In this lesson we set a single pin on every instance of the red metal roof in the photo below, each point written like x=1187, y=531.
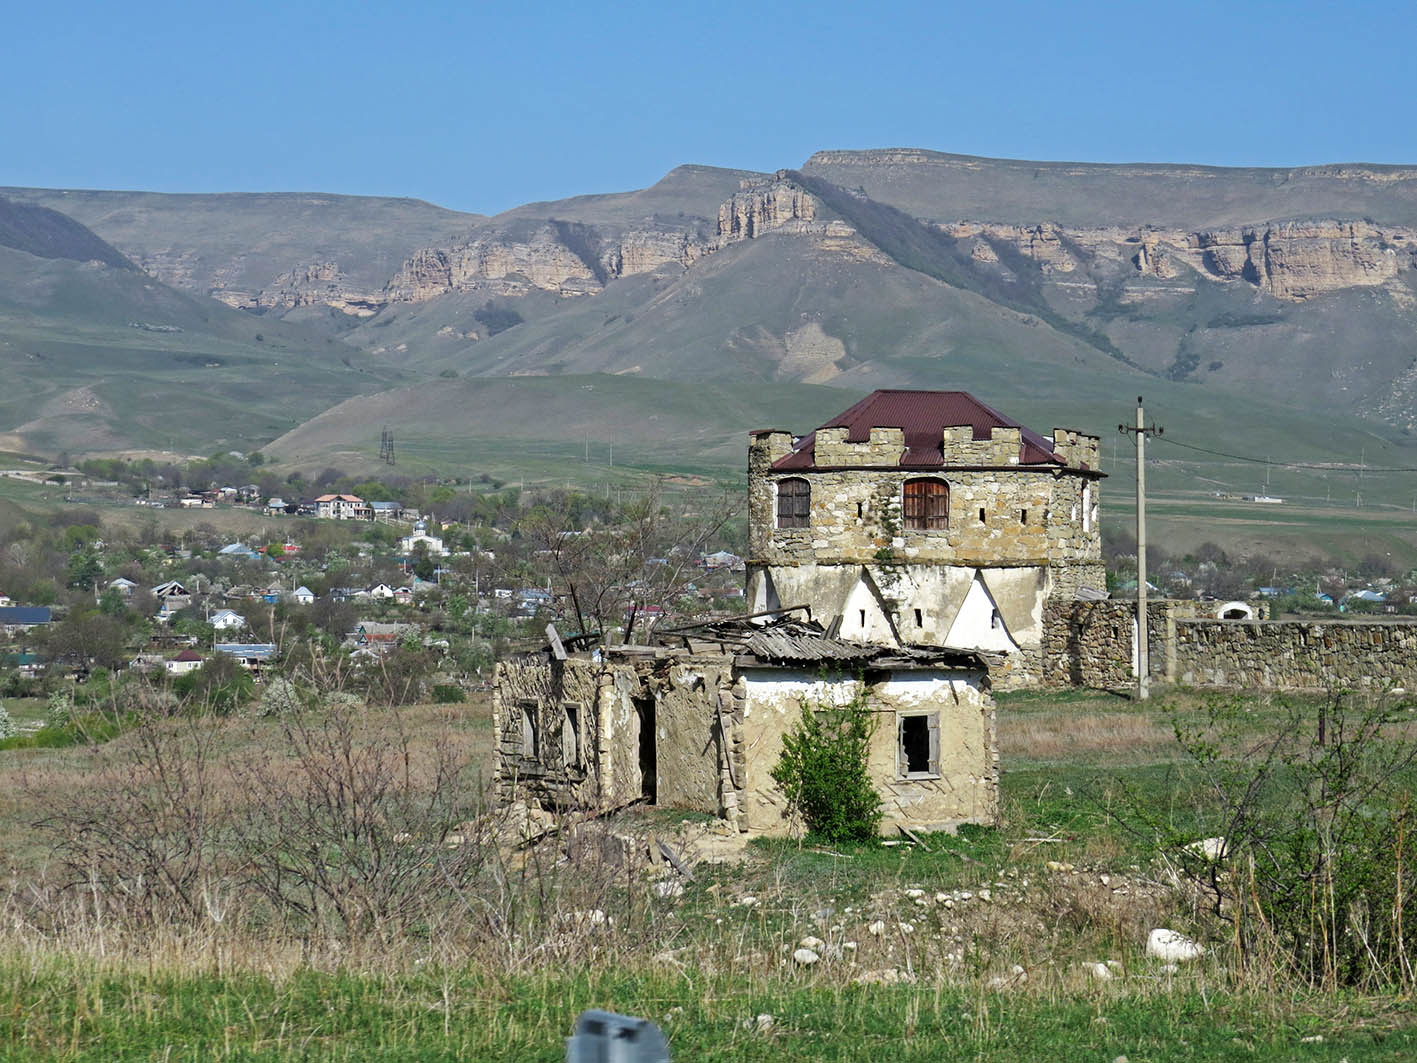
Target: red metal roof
x=924, y=415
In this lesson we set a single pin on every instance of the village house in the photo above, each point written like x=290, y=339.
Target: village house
x=16, y=619
x=900, y=556
x=253, y=656
x=343, y=507
x=371, y=637
x=171, y=597
x=226, y=620
x=925, y=518
x=302, y=595
x=184, y=662
x=125, y=587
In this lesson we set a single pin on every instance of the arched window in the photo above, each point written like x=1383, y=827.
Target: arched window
x=794, y=503
x=927, y=505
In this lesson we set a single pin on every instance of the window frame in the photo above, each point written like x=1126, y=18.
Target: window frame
x=932, y=506
x=932, y=718
x=799, y=498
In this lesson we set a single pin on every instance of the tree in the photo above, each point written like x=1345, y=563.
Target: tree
x=608, y=569
x=87, y=638
x=83, y=570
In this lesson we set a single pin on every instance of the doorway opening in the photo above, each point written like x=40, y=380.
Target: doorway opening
x=644, y=710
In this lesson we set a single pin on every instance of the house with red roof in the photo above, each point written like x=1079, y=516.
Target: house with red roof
x=343, y=507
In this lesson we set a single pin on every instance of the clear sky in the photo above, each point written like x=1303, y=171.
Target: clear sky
x=481, y=106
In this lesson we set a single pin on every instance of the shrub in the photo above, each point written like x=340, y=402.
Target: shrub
x=823, y=770
x=1316, y=823
x=7, y=725
x=448, y=694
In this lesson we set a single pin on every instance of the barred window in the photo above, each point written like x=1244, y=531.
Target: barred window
x=794, y=502
x=927, y=505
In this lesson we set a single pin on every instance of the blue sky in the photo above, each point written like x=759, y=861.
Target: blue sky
x=483, y=106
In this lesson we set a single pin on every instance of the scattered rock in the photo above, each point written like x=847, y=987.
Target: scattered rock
x=877, y=928
x=805, y=957
x=1172, y=946
x=1212, y=849
x=748, y=901
x=763, y=1023
x=915, y=894
x=1099, y=971
x=813, y=943
x=1057, y=867
x=669, y=888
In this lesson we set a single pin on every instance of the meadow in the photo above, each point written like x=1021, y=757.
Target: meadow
x=986, y=944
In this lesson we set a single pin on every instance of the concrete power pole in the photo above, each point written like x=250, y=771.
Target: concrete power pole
x=1139, y=433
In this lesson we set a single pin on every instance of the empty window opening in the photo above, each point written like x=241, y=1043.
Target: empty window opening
x=648, y=761
x=860, y=510
x=571, y=737
x=919, y=618
x=530, y=743
x=995, y=620
x=863, y=618
x=981, y=516
x=919, y=744
x=1023, y=516
x=926, y=505
x=794, y=503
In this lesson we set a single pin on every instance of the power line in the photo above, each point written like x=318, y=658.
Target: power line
x=1317, y=465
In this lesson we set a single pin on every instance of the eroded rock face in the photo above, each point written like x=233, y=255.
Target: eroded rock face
x=316, y=284
x=761, y=206
x=1298, y=260
x=1289, y=260
x=497, y=263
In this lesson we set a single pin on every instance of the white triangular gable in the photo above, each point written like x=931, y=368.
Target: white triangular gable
x=979, y=624
x=864, y=617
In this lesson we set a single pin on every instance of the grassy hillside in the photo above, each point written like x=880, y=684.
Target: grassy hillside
x=936, y=185
x=106, y=358
x=243, y=241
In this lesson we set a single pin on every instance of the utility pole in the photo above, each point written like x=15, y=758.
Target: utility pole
x=1139, y=434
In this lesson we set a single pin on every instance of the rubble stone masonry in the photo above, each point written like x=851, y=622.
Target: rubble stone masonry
x=1091, y=644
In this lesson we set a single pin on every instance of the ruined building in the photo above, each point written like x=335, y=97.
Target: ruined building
x=902, y=553
x=697, y=721
x=925, y=518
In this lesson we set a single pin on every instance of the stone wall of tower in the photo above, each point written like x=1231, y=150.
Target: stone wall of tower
x=1008, y=515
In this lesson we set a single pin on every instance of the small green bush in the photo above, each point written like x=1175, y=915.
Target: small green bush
x=448, y=694
x=823, y=770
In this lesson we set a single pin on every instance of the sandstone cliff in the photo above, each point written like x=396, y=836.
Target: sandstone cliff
x=1292, y=261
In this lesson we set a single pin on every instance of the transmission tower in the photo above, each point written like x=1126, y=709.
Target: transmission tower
x=386, y=446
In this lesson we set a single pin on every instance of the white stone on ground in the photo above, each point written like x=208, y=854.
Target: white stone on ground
x=876, y=929
x=805, y=957
x=1172, y=946
x=809, y=942
x=1100, y=971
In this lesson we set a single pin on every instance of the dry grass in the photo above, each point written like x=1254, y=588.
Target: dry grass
x=1124, y=739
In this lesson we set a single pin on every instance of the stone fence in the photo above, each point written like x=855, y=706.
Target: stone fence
x=1093, y=644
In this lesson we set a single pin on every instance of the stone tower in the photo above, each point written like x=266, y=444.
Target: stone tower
x=925, y=518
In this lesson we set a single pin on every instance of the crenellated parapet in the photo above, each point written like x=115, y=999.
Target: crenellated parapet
x=1079, y=450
